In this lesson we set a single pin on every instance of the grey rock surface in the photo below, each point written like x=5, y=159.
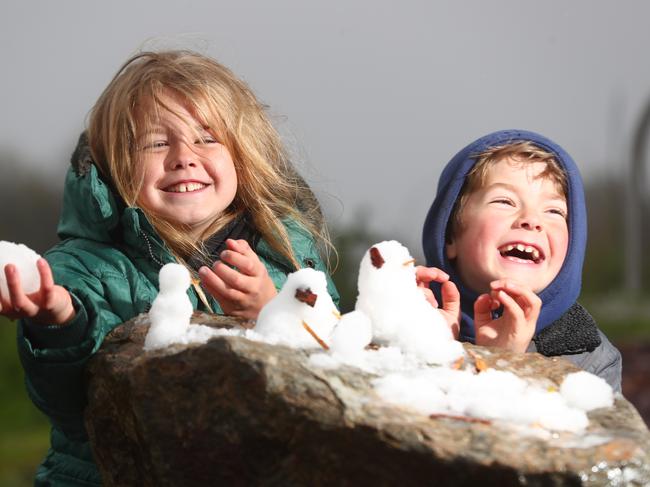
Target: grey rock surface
x=238, y=412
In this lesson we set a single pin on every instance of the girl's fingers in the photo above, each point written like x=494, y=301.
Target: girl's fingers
x=234, y=279
x=218, y=287
x=242, y=262
x=21, y=303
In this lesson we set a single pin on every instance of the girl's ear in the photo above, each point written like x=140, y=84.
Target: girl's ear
x=450, y=248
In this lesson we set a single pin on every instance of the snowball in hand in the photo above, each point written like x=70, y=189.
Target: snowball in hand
x=24, y=259
x=171, y=311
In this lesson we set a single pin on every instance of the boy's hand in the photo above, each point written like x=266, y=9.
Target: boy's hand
x=50, y=305
x=242, y=291
x=449, y=293
x=515, y=328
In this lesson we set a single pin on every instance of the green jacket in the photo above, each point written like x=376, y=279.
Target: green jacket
x=109, y=259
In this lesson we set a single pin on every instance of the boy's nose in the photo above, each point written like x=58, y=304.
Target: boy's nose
x=529, y=221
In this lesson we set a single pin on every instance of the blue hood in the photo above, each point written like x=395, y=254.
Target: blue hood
x=564, y=290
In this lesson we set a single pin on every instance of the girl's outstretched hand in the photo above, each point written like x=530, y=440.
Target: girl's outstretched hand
x=515, y=328
x=241, y=291
x=50, y=305
x=450, y=296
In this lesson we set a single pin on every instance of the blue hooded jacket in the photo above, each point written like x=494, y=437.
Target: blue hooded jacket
x=564, y=290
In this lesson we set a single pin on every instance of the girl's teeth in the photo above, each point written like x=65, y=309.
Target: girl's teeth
x=529, y=249
x=520, y=247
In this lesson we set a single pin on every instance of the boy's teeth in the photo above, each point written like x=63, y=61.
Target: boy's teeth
x=520, y=247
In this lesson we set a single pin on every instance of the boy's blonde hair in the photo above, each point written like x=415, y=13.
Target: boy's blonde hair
x=268, y=188
x=521, y=152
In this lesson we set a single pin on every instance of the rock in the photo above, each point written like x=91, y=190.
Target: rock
x=237, y=412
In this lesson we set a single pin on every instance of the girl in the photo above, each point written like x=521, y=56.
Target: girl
x=180, y=163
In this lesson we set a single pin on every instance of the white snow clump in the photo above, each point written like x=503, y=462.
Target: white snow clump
x=24, y=259
x=586, y=391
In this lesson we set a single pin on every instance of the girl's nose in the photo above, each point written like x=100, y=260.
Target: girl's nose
x=181, y=156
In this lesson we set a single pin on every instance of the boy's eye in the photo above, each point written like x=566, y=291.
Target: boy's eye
x=503, y=201
x=558, y=211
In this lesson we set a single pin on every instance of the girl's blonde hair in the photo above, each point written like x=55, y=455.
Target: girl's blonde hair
x=523, y=152
x=269, y=188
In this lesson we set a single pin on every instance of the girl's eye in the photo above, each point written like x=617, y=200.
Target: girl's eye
x=156, y=144
x=206, y=139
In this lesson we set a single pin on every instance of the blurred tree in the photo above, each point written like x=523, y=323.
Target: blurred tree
x=30, y=204
x=605, y=261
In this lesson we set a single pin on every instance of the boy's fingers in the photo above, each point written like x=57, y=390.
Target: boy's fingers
x=483, y=309
x=428, y=274
x=525, y=298
x=509, y=304
x=450, y=297
x=429, y=296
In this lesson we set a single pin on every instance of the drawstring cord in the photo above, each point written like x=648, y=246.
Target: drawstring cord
x=196, y=283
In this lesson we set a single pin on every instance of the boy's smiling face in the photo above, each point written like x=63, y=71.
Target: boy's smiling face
x=514, y=226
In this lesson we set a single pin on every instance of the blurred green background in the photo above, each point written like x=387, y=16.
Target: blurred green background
x=24, y=432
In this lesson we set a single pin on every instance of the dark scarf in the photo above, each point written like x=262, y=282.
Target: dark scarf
x=238, y=229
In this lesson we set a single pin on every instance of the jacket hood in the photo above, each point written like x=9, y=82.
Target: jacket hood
x=92, y=210
x=564, y=290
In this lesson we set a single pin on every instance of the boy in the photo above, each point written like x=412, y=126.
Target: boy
x=508, y=225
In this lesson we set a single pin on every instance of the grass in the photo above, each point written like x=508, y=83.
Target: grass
x=24, y=431
x=621, y=318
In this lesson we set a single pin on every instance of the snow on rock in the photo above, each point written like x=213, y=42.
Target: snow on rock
x=586, y=391
x=24, y=259
x=491, y=395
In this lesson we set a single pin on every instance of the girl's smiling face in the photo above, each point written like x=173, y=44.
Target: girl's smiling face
x=188, y=176
x=514, y=227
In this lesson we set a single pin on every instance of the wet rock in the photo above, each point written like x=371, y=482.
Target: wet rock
x=237, y=412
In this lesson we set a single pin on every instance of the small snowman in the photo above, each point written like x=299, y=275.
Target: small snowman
x=172, y=309
x=399, y=311
x=302, y=314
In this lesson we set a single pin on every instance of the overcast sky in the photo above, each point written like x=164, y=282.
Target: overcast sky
x=373, y=97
